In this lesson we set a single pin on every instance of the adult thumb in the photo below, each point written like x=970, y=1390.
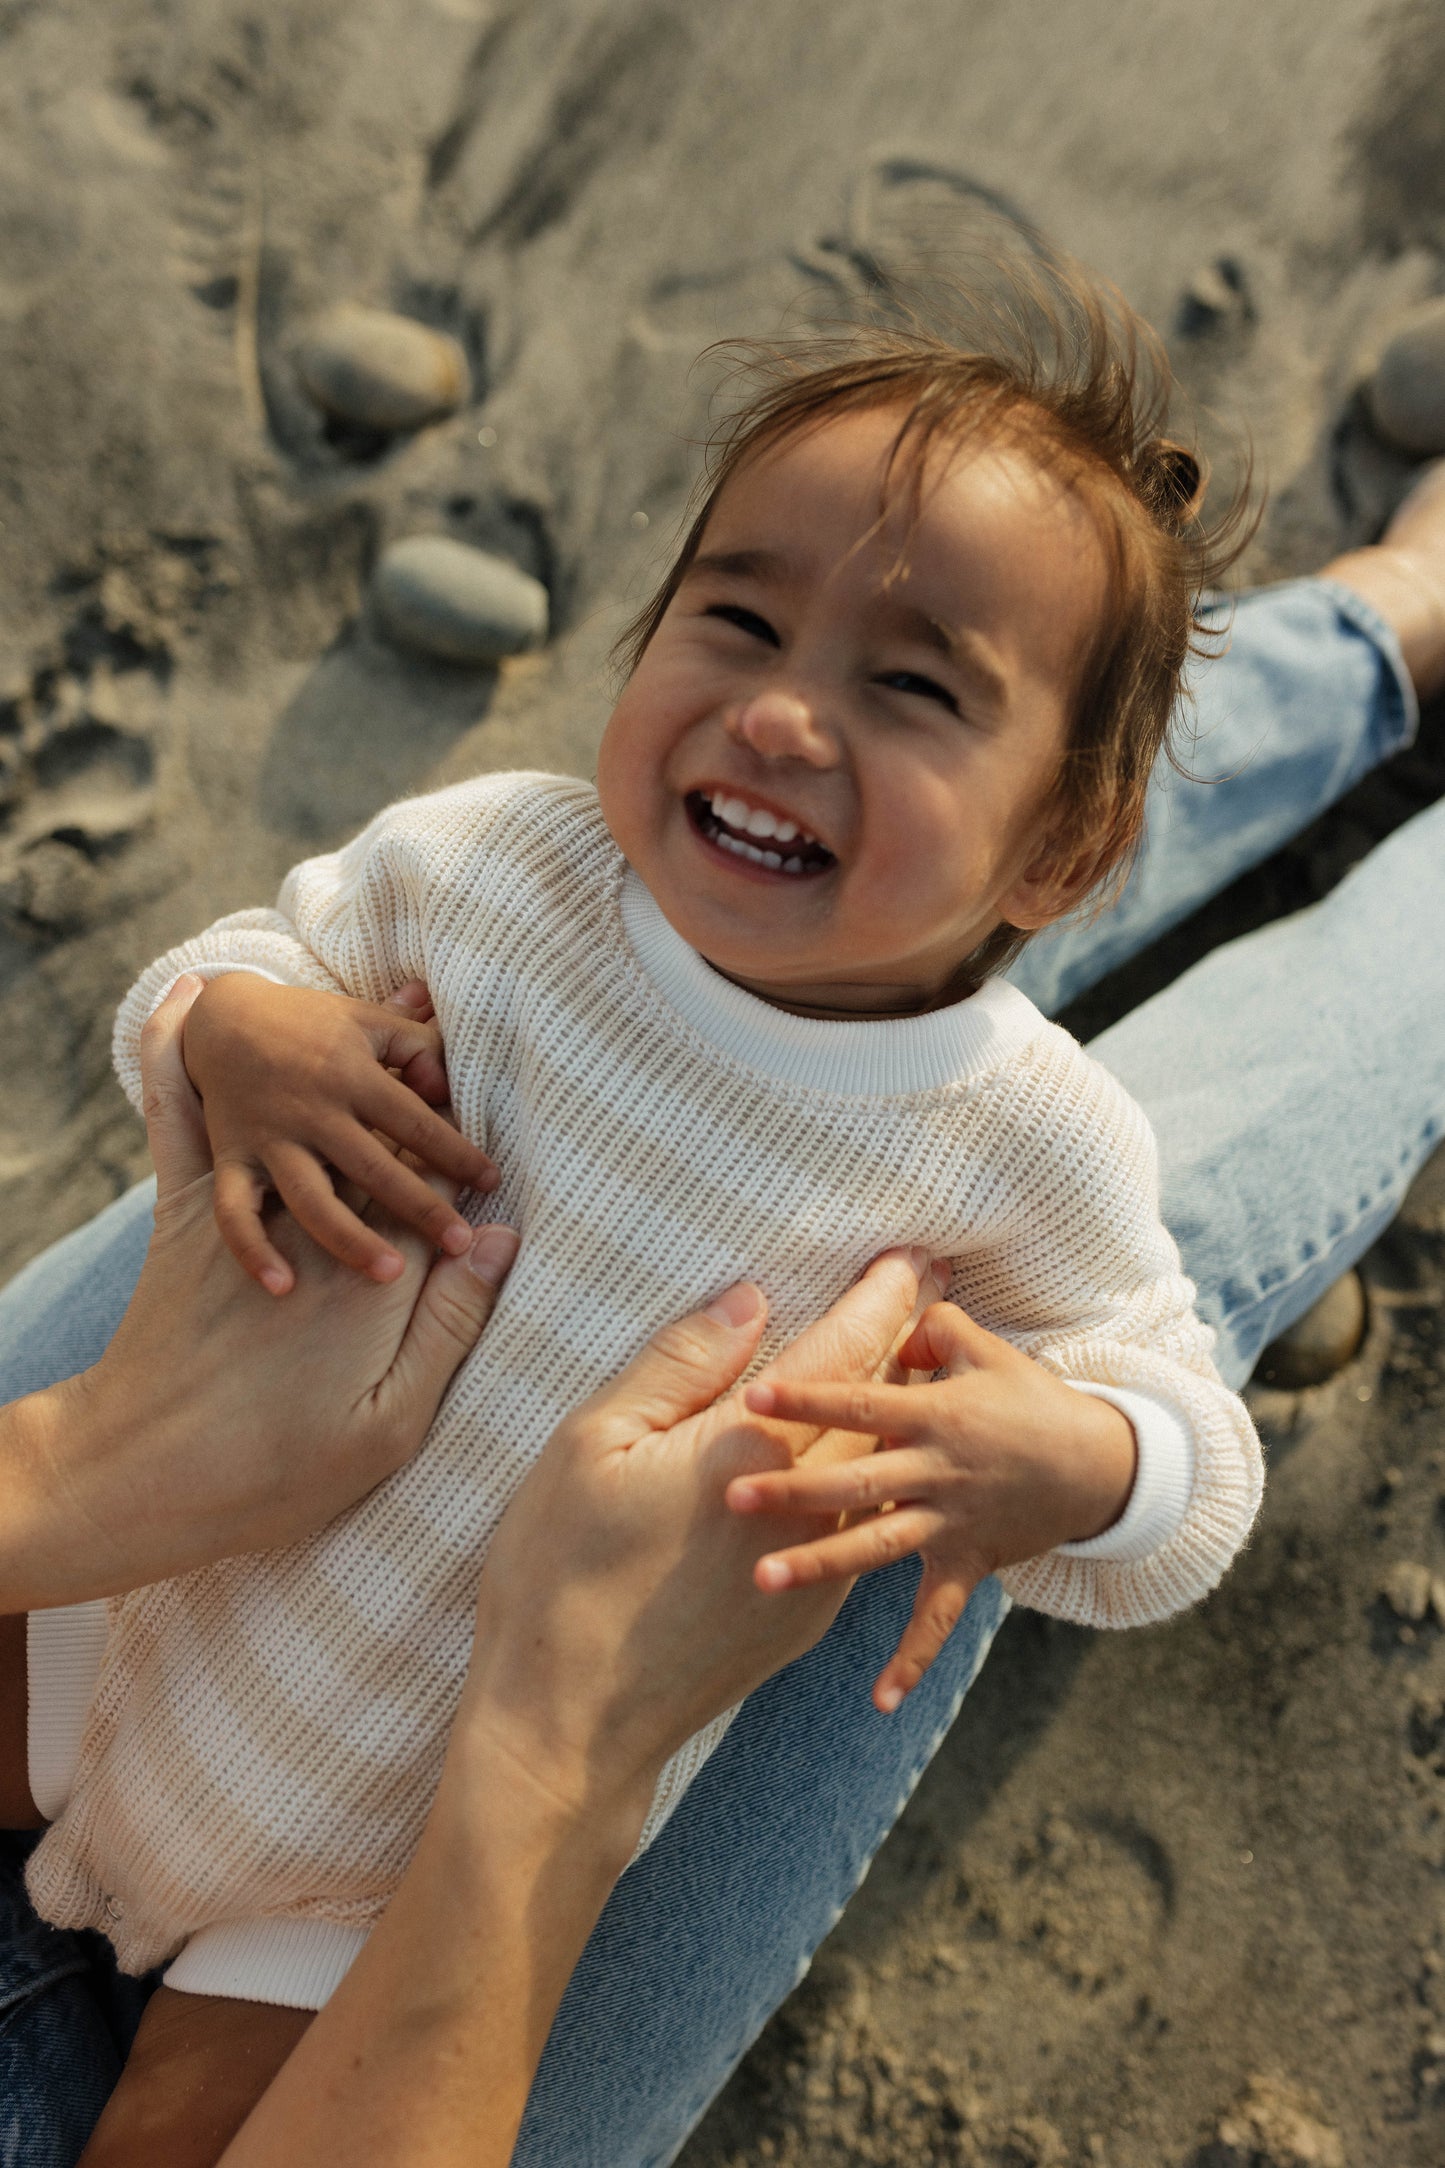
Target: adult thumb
x=175, y=1124
x=683, y=1369
x=457, y=1297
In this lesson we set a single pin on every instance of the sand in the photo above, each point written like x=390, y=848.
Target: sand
x=1156, y=1889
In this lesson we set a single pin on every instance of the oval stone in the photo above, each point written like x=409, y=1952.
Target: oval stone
x=380, y=371
x=454, y=603
x=1407, y=391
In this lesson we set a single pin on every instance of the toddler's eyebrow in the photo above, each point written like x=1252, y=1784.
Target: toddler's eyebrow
x=740, y=564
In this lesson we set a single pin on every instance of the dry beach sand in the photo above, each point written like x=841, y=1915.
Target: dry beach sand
x=1171, y=1898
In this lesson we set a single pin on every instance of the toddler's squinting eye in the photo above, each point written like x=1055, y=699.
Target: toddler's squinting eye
x=749, y=621
x=910, y=681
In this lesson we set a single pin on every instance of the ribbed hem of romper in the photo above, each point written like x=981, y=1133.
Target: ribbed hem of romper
x=1163, y=1480
x=63, y=1653
x=884, y=1059
x=297, y=1963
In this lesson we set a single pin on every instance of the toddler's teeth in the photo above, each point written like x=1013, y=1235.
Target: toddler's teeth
x=785, y=831
x=761, y=823
x=792, y=865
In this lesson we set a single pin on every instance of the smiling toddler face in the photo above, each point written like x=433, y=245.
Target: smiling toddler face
x=833, y=766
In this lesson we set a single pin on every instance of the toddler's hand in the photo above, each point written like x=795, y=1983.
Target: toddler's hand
x=995, y=1463
x=297, y=1086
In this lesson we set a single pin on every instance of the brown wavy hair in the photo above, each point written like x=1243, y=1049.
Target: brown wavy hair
x=1051, y=362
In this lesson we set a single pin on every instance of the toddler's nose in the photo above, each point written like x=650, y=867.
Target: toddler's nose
x=779, y=725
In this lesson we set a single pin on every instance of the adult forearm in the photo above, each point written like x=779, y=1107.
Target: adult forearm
x=55, y=1546
x=425, y=2054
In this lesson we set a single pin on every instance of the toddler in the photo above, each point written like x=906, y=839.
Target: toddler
x=733, y=1012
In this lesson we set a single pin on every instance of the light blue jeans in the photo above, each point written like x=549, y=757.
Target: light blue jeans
x=1295, y=1079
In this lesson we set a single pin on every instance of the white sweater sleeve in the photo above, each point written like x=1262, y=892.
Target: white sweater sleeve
x=351, y=922
x=1136, y=1334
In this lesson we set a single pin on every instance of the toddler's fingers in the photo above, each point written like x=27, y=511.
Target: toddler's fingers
x=947, y=1338
x=414, y=999
x=850, y=1551
x=383, y=1102
x=396, y=1186
x=879, y=1411
x=239, y=1192
x=305, y=1189
x=851, y=1486
x=937, y=1609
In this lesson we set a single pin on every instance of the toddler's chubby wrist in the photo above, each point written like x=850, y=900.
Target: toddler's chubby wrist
x=1107, y=1464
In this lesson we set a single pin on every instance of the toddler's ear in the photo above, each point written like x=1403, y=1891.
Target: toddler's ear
x=1049, y=887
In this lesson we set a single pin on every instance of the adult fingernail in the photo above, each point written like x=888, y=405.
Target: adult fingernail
x=492, y=1252
x=735, y=1306
x=941, y=1273
x=189, y=982
x=918, y=1258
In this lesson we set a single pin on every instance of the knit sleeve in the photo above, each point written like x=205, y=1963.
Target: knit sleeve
x=357, y=921
x=1110, y=1306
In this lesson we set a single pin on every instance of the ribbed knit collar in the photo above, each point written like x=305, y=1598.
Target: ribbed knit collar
x=882, y=1058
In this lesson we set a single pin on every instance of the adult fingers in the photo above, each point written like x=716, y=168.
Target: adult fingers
x=862, y=1328
x=850, y=1486
x=415, y=999
x=683, y=1369
x=937, y=1609
x=850, y=1551
x=457, y=1298
x=175, y=1125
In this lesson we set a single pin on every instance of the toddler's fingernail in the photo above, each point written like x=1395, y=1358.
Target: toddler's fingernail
x=458, y=1239
x=889, y=1698
x=274, y=1280
x=388, y=1267
x=743, y=1497
x=773, y=1573
x=492, y=1253
x=736, y=1306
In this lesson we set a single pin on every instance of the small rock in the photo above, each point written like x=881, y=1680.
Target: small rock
x=379, y=371
x=1407, y=1589
x=1273, y=2126
x=445, y=599
x=1322, y=1341
x=1406, y=395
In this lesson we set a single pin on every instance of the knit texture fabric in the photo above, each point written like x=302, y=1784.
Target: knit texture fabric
x=267, y=1734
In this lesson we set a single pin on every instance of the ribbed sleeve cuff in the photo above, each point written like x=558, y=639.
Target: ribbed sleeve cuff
x=64, y=1649
x=297, y=1963
x=1163, y=1480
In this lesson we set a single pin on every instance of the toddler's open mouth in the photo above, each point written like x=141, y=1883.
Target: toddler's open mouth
x=765, y=839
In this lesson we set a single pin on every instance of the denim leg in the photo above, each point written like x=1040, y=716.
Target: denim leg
x=1296, y=1082
x=1310, y=695
x=718, y=1921
x=58, y=1313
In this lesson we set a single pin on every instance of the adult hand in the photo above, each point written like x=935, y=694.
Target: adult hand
x=219, y=1420
x=618, y=1613
x=649, y=1619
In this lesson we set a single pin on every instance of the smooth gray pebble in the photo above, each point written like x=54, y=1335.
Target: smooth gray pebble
x=444, y=599
x=381, y=371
